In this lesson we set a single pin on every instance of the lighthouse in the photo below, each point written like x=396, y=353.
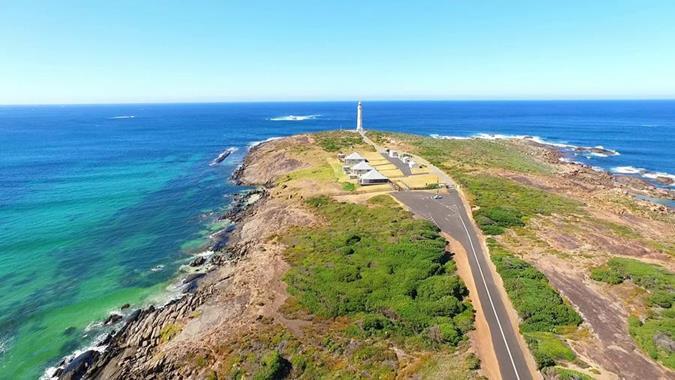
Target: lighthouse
x=359, y=115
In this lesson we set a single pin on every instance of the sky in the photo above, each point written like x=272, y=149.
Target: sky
x=207, y=51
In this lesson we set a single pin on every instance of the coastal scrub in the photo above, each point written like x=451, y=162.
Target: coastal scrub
x=387, y=271
x=543, y=311
x=504, y=203
x=655, y=333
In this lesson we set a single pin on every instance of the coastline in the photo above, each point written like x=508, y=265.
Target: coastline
x=142, y=326
x=222, y=290
x=653, y=188
x=568, y=153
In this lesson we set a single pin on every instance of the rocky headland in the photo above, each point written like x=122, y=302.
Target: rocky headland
x=237, y=312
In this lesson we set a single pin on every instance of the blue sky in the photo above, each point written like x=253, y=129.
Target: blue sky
x=175, y=51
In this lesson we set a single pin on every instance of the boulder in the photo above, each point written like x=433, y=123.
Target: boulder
x=198, y=261
x=77, y=367
x=113, y=318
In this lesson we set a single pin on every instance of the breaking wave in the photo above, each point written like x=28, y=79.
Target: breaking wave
x=597, y=151
x=123, y=117
x=662, y=177
x=256, y=143
x=294, y=118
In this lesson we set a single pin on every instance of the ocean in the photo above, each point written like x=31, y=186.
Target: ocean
x=100, y=205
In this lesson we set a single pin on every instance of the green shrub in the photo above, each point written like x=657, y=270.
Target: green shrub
x=547, y=348
x=273, y=367
x=606, y=274
x=472, y=361
x=373, y=322
x=348, y=186
x=660, y=283
x=504, y=203
x=561, y=373
x=335, y=141
x=378, y=263
x=538, y=304
x=450, y=333
x=542, y=310
x=168, y=332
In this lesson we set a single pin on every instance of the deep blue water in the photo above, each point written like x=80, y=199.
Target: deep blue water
x=97, y=210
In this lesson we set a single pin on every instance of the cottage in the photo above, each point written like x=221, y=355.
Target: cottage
x=373, y=177
x=361, y=168
x=353, y=159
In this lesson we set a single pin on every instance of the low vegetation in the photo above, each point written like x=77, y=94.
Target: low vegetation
x=560, y=373
x=168, y=332
x=468, y=154
x=504, y=203
x=544, y=313
x=655, y=333
x=381, y=267
x=336, y=141
x=368, y=283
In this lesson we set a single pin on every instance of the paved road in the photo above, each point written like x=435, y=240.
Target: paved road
x=402, y=166
x=451, y=217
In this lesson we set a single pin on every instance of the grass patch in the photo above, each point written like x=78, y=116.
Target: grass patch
x=656, y=334
x=348, y=186
x=548, y=349
x=337, y=141
x=543, y=311
x=657, y=280
x=561, y=373
x=168, y=332
x=321, y=172
x=273, y=367
x=385, y=270
x=478, y=153
x=504, y=203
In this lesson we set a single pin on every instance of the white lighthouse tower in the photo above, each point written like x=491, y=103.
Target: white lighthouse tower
x=359, y=118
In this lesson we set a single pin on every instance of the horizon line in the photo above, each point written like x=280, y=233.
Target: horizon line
x=374, y=100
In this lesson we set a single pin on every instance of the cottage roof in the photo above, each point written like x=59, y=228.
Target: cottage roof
x=362, y=166
x=354, y=156
x=373, y=175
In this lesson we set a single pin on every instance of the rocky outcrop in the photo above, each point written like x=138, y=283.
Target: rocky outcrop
x=130, y=353
x=267, y=162
x=227, y=288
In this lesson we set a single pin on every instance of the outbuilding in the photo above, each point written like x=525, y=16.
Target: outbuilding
x=361, y=168
x=373, y=177
x=354, y=159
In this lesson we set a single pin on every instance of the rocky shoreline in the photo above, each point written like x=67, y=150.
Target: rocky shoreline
x=631, y=185
x=130, y=351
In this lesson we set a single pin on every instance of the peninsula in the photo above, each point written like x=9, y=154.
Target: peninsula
x=461, y=259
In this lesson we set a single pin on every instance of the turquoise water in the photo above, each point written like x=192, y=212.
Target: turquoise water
x=99, y=209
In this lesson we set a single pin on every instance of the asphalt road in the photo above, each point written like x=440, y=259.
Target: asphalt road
x=402, y=166
x=449, y=214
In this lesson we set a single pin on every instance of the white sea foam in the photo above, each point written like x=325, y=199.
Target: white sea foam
x=256, y=143
x=585, y=151
x=644, y=173
x=436, y=136
x=627, y=170
x=498, y=136
x=657, y=175
x=610, y=152
x=223, y=155
x=123, y=117
x=294, y=117
x=50, y=373
x=157, y=268
x=4, y=344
